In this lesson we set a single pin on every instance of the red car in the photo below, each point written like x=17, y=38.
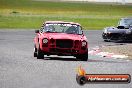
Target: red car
x=62, y=39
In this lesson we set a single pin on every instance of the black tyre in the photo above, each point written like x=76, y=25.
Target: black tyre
x=82, y=57
x=40, y=55
x=35, y=51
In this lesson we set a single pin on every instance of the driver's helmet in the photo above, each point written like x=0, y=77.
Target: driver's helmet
x=71, y=29
x=49, y=28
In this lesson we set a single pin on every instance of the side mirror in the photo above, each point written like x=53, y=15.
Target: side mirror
x=36, y=31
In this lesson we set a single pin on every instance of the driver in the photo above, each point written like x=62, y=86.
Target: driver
x=71, y=29
x=49, y=28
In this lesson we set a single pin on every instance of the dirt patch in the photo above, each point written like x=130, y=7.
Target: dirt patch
x=119, y=49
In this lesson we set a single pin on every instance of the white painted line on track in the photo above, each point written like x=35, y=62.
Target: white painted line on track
x=96, y=51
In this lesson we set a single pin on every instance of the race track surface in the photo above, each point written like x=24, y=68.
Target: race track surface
x=19, y=69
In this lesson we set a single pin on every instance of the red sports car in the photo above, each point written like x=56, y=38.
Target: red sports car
x=61, y=38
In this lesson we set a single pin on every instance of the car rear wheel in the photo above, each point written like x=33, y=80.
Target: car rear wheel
x=82, y=57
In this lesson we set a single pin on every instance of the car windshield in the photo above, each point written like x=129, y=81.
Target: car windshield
x=126, y=22
x=62, y=28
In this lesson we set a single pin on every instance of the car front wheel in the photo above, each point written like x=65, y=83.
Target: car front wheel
x=35, y=51
x=40, y=54
x=82, y=57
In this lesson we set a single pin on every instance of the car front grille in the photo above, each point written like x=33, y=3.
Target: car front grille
x=65, y=43
x=114, y=36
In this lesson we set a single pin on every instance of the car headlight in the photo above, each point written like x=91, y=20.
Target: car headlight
x=45, y=40
x=84, y=43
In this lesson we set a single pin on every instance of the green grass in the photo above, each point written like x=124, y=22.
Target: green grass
x=30, y=14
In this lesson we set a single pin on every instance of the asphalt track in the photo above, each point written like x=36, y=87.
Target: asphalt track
x=19, y=69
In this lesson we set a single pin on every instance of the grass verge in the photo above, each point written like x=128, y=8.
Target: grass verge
x=30, y=14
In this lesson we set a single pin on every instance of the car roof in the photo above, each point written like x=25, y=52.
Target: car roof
x=61, y=22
